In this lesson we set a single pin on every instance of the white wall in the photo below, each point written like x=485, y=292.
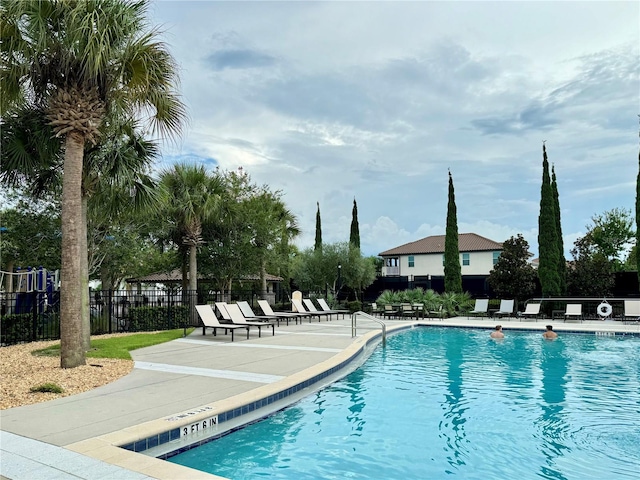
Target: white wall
x=480, y=263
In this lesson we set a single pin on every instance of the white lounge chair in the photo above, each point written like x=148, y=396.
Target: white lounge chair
x=631, y=311
x=481, y=307
x=238, y=319
x=506, y=309
x=298, y=307
x=248, y=313
x=267, y=310
x=532, y=311
x=209, y=320
x=325, y=307
x=573, y=312
x=311, y=308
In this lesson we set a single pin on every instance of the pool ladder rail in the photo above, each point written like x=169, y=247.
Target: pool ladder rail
x=355, y=315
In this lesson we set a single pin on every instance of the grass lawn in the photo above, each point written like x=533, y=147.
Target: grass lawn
x=119, y=347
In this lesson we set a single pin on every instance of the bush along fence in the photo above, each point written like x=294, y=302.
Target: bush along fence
x=35, y=316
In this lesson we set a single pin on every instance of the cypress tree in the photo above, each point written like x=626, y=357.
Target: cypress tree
x=318, y=244
x=562, y=263
x=547, y=235
x=638, y=219
x=452, y=268
x=354, y=238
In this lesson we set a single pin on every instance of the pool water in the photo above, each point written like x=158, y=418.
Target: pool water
x=442, y=403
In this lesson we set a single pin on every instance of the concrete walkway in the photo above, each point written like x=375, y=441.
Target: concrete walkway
x=184, y=381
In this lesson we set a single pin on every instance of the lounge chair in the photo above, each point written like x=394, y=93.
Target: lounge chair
x=390, y=311
x=407, y=310
x=248, y=313
x=481, y=308
x=209, y=320
x=506, y=309
x=375, y=310
x=239, y=319
x=326, y=308
x=267, y=310
x=631, y=311
x=311, y=308
x=532, y=311
x=299, y=308
x=573, y=312
x=436, y=313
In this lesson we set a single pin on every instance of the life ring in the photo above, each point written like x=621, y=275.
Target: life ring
x=604, y=309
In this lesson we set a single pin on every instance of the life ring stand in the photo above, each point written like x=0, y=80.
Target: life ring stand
x=604, y=309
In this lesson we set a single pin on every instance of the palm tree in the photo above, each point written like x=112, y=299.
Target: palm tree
x=191, y=197
x=115, y=177
x=82, y=62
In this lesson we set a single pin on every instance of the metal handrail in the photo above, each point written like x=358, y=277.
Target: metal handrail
x=370, y=317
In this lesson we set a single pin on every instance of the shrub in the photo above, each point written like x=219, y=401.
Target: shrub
x=47, y=388
x=150, y=319
x=16, y=328
x=354, y=306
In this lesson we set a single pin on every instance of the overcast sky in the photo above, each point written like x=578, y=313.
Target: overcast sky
x=327, y=101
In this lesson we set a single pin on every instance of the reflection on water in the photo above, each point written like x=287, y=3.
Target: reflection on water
x=451, y=427
x=451, y=403
x=554, y=366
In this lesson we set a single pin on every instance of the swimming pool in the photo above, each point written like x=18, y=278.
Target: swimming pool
x=451, y=403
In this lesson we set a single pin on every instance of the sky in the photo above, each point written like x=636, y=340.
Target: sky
x=377, y=101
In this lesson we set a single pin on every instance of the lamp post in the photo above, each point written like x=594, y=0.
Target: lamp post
x=339, y=283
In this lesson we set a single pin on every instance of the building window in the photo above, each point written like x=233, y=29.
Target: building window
x=412, y=262
x=496, y=256
x=465, y=259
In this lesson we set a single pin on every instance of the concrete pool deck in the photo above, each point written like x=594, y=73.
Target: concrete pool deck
x=183, y=382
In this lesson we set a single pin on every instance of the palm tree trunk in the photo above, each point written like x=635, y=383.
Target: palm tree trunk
x=9, y=280
x=107, y=294
x=193, y=267
x=193, y=281
x=263, y=279
x=84, y=267
x=72, y=352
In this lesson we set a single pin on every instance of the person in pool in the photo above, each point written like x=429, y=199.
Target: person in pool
x=497, y=333
x=550, y=334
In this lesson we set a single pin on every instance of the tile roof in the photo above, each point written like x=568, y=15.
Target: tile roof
x=467, y=242
x=176, y=276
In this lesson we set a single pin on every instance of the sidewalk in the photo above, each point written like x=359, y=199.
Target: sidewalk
x=170, y=378
x=184, y=381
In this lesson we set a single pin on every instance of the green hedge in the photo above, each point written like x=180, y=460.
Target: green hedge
x=149, y=319
x=19, y=328
x=16, y=328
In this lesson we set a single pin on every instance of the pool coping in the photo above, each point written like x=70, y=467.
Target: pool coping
x=139, y=448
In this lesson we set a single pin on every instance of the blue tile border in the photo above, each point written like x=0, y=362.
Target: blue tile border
x=174, y=434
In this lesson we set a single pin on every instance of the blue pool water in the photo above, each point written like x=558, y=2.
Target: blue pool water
x=442, y=403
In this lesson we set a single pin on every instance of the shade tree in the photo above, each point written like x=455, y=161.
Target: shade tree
x=83, y=62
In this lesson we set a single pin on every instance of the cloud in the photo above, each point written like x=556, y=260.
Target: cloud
x=238, y=59
x=327, y=101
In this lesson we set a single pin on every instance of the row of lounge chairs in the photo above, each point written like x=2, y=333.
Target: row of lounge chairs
x=403, y=310
x=573, y=311
x=240, y=315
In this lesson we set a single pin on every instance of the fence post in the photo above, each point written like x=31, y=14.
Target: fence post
x=33, y=301
x=109, y=307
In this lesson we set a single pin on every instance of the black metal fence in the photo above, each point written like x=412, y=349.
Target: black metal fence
x=35, y=316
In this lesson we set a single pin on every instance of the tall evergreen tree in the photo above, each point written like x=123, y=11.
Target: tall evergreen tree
x=318, y=244
x=638, y=219
x=547, y=235
x=562, y=263
x=452, y=268
x=354, y=238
